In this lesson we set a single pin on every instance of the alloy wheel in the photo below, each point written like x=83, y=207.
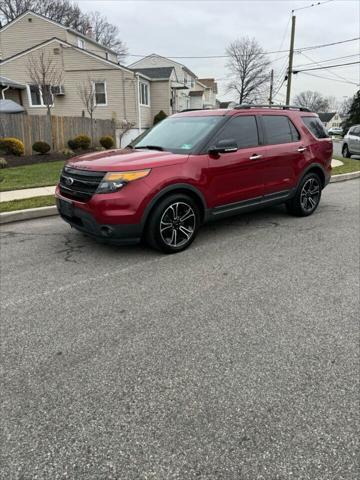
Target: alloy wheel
x=310, y=194
x=177, y=224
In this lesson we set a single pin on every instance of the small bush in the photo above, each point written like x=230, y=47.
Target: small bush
x=99, y=149
x=41, y=147
x=159, y=117
x=67, y=152
x=12, y=146
x=3, y=163
x=72, y=144
x=83, y=141
x=107, y=142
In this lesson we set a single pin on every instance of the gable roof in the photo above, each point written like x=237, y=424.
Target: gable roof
x=209, y=83
x=160, y=56
x=7, y=82
x=75, y=32
x=156, y=73
x=326, y=116
x=67, y=44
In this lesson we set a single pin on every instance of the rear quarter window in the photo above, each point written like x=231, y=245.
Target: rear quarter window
x=279, y=129
x=315, y=126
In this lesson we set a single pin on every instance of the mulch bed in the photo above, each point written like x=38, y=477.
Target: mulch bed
x=14, y=161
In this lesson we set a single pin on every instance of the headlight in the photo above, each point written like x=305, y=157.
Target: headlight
x=113, y=181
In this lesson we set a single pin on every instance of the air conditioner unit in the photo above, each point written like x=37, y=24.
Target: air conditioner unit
x=58, y=90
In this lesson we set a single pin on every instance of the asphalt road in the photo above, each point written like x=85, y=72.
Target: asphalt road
x=236, y=359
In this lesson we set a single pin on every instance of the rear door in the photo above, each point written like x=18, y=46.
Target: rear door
x=237, y=176
x=284, y=152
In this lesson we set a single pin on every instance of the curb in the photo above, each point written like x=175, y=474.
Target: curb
x=344, y=176
x=28, y=214
x=32, y=213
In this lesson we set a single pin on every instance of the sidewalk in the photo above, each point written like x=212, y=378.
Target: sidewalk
x=26, y=193
x=43, y=191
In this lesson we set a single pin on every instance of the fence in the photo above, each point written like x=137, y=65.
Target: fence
x=31, y=128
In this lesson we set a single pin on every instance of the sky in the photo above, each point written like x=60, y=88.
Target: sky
x=185, y=28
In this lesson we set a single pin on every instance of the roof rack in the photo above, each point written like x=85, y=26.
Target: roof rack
x=245, y=106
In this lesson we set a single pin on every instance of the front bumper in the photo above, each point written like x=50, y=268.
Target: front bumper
x=124, y=234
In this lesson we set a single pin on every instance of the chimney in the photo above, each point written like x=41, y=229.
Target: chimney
x=89, y=32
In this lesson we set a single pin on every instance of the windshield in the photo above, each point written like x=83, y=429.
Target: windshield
x=178, y=134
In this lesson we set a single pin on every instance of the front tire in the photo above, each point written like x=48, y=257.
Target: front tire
x=307, y=197
x=345, y=152
x=173, y=224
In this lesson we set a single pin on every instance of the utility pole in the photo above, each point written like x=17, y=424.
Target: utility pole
x=271, y=86
x=291, y=55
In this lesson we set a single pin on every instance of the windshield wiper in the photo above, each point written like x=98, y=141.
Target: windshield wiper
x=152, y=147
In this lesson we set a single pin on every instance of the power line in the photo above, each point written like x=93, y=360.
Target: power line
x=312, y=5
x=324, y=61
x=328, y=78
x=334, y=74
x=297, y=50
x=326, y=66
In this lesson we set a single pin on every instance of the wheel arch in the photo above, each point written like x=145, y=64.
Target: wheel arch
x=315, y=168
x=184, y=188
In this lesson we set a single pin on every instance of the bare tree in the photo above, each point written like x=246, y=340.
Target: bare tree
x=124, y=126
x=62, y=11
x=68, y=14
x=345, y=105
x=44, y=73
x=86, y=93
x=312, y=100
x=249, y=68
x=107, y=34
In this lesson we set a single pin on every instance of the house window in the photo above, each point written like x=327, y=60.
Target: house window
x=144, y=94
x=192, y=82
x=100, y=93
x=81, y=43
x=39, y=97
x=185, y=79
x=107, y=55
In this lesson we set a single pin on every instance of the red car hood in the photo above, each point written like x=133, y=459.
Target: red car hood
x=123, y=160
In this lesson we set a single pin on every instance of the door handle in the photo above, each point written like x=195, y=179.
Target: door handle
x=255, y=157
x=301, y=149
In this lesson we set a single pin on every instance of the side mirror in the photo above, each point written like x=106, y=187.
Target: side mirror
x=224, y=146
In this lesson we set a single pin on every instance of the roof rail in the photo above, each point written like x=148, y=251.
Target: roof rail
x=245, y=106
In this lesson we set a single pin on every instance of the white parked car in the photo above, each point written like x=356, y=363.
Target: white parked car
x=335, y=131
x=351, y=142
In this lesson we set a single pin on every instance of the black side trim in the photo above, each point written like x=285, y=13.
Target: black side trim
x=251, y=204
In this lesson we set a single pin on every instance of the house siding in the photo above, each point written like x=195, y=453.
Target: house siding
x=77, y=68
x=22, y=34
x=90, y=46
x=160, y=97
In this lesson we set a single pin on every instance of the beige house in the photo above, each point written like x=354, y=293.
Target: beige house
x=331, y=119
x=183, y=84
x=120, y=93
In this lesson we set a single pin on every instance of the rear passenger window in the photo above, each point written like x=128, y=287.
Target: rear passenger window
x=315, y=126
x=243, y=129
x=279, y=129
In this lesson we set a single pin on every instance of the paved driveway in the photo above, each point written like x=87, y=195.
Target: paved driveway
x=237, y=359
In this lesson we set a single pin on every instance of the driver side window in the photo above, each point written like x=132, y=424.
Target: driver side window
x=243, y=129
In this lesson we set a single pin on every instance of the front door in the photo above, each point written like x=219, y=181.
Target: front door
x=237, y=176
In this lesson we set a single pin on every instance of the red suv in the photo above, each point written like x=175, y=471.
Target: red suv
x=195, y=167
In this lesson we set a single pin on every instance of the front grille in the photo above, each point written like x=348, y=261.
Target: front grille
x=79, y=184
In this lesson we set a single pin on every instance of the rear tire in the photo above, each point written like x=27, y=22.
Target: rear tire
x=173, y=224
x=345, y=152
x=307, y=197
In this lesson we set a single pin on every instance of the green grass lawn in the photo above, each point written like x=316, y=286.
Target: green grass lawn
x=37, y=175
x=33, y=202
x=350, y=165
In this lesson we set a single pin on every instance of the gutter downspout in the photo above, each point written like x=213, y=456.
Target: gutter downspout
x=138, y=102
x=4, y=90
